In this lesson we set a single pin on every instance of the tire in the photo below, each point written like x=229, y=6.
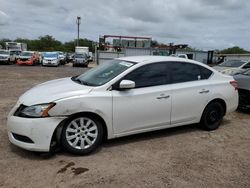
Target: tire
x=212, y=116
x=81, y=135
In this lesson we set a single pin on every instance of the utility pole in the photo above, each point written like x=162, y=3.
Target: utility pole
x=78, y=22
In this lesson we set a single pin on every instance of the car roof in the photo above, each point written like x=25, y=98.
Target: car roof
x=152, y=59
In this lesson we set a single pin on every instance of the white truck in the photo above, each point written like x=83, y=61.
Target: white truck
x=81, y=50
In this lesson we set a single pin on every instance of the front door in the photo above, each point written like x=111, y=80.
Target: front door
x=148, y=105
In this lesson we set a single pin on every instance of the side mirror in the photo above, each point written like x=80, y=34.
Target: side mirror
x=127, y=84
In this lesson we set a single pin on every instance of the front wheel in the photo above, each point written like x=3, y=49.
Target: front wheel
x=212, y=116
x=82, y=135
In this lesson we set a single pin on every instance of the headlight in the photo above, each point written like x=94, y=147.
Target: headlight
x=38, y=110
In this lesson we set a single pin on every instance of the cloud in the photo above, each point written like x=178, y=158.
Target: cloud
x=206, y=24
x=4, y=18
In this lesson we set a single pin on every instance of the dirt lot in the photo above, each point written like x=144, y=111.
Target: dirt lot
x=178, y=157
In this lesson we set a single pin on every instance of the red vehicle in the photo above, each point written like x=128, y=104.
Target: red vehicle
x=28, y=58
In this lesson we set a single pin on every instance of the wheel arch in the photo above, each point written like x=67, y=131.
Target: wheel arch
x=58, y=131
x=221, y=101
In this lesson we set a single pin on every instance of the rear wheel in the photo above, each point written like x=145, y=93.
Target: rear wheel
x=212, y=116
x=82, y=135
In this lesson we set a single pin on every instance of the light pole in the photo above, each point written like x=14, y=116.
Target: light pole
x=78, y=22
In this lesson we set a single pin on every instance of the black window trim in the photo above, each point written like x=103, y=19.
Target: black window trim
x=115, y=86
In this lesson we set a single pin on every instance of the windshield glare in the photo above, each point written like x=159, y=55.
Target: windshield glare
x=79, y=56
x=104, y=72
x=232, y=63
x=50, y=55
x=26, y=54
x=4, y=52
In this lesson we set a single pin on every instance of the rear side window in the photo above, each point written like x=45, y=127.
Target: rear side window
x=205, y=73
x=184, y=72
x=149, y=75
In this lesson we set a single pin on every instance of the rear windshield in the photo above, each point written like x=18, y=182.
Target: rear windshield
x=232, y=63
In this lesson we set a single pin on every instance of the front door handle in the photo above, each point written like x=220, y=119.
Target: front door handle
x=204, y=91
x=163, y=97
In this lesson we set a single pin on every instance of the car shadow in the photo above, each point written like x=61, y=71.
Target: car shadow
x=168, y=132
x=244, y=111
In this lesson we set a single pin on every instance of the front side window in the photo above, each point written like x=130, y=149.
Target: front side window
x=149, y=75
x=184, y=72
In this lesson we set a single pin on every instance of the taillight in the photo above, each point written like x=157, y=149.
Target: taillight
x=234, y=84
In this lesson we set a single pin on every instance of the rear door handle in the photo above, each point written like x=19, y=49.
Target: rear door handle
x=163, y=97
x=204, y=91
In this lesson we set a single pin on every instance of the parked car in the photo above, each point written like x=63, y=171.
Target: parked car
x=51, y=59
x=14, y=55
x=62, y=58
x=90, y=57
x=243, y=80
x=126, y=96
x=69, y=57
x=80, y=60
x=28, y=58
x=232, y=67
x=5, y=57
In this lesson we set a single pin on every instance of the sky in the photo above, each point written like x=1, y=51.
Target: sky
x=202, y=24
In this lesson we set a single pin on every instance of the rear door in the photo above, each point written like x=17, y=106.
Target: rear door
x=190, y=91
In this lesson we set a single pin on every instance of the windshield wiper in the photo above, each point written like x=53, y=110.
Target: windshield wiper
x=74, y=78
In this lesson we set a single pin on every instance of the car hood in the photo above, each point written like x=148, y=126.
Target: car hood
x=243, y=81
x=53, y=90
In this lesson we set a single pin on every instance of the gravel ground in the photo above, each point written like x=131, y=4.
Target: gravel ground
x=177, y=157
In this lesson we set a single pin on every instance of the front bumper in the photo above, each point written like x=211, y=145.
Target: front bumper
x=80, y=62
x=28, y=62
x=53, y=64
x=4, y=61
x=38, y=130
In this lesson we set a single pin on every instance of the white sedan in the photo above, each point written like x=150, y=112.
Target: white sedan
x=123, y=97
x=232, y=67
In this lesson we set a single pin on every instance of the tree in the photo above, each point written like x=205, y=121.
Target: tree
x=2, y=42
x=233, y=50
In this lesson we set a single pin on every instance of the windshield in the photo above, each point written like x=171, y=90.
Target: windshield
x=15, y=52
x=103, y=73
x=54, y=55
x=247, y=73
x=26, y=54
x=80, y=56
x=232, y=63
x=4, y=52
